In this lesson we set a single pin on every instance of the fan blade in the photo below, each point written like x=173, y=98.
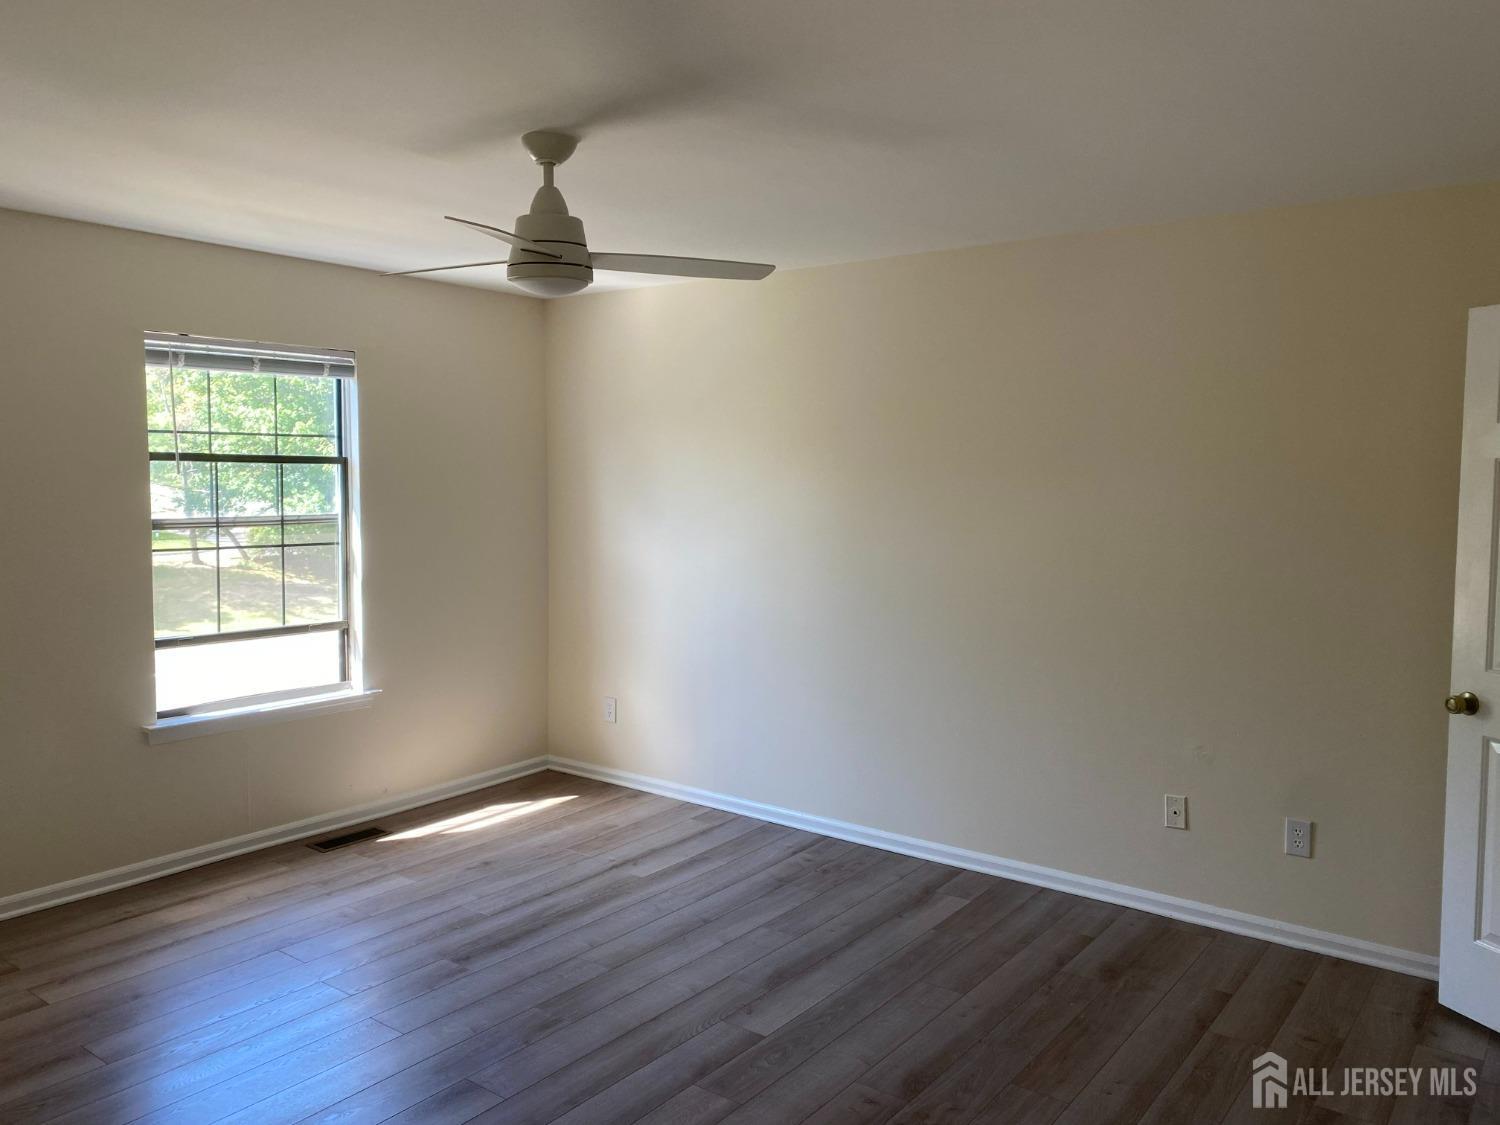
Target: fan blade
x=681, y=267
x=435, y=269
x=505, y=236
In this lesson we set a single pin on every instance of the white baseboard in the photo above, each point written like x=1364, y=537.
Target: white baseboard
x=1187, y=910
x=88, y=885
x=1202, y=913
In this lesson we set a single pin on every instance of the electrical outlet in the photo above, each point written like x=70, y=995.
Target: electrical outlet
x=1299, y=838
x=1174, y=811
x=609, y=708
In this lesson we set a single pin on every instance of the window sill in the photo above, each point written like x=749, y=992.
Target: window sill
x=216, y=722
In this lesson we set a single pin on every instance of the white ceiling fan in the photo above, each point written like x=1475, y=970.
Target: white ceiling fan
x=549, y=254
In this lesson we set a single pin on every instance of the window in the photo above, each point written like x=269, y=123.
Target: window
x=250, y=503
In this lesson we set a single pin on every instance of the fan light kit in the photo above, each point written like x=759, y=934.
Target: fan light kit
x=549, y=254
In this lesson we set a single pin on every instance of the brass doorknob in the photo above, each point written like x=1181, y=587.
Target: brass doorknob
x=1464, y=703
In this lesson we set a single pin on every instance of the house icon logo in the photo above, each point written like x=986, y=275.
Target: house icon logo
x=1268, y=1081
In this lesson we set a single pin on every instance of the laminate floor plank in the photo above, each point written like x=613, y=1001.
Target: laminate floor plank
x=809, y=1086
x=1314, y=1030
x=505, y=1027
x=744, y=884
x=491, y=943
x=948, y=1088
x=1384, y=1034
x=538, y=917
x=16, y=1003
x=494, y=978
x=831, y=1017
x=1038, y=914
x=100, y=911
x=252, y=1086
x=1129, y=1082
x=784, y=1003
x=811, y=947
x=692, y=1106
x=1205, y=1084
x=1015, y=1106
x=689, y=1038
x=177, y=1066
x=561, y=949
x=919, y=1062
x=647, y=1087
x=856, y=1105
x=507, y=1030
x=243, y=879
x=1456, y=1109
x=96, y=912
x=452, y=1105
x=572, y=1039
x=1256, y=1012
x=1067, y=1064
x=311, y=904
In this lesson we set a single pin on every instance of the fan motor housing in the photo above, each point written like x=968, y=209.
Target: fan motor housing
x=551, y=277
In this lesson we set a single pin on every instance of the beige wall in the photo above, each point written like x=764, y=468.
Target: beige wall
x=995, y=547
x=992, y=547
x=451, y=402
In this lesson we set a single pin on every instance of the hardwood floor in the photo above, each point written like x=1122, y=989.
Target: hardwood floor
x=556, y=949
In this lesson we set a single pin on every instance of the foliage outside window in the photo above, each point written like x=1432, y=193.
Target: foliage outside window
x=249, y=482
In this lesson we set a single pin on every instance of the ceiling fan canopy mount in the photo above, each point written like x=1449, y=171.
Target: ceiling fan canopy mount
x=550, y=256
x=548, y=147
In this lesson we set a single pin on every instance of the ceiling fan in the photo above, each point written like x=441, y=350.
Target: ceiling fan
x=549, y=254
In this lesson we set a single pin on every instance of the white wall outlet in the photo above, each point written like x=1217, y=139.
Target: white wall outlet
x=609, y=708
x=1174, y=811
x=1299, y=838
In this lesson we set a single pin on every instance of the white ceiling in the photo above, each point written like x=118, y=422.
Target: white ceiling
x=791, y=131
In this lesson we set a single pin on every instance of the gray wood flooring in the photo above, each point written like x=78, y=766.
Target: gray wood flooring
x=557, y=949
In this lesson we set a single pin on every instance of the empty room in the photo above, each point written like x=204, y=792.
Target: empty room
x=688, y=561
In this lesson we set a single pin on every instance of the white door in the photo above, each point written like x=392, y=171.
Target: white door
x=1470, y=958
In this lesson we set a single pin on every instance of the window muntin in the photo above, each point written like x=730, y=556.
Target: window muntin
x=249, y=480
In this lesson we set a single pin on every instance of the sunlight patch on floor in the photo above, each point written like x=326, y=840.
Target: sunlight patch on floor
x=479, y=818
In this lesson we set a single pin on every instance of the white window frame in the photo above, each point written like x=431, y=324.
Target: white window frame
x=351, y=692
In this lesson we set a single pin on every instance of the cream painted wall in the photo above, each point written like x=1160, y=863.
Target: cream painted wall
x=995, y=547
x=454, y=511
x=992, y=547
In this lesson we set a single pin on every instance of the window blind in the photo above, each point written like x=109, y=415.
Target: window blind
x=164, y=349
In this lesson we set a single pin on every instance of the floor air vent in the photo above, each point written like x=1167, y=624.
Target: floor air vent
x=335, y=842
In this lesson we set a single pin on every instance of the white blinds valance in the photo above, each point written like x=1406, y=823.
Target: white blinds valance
x=164, y=349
